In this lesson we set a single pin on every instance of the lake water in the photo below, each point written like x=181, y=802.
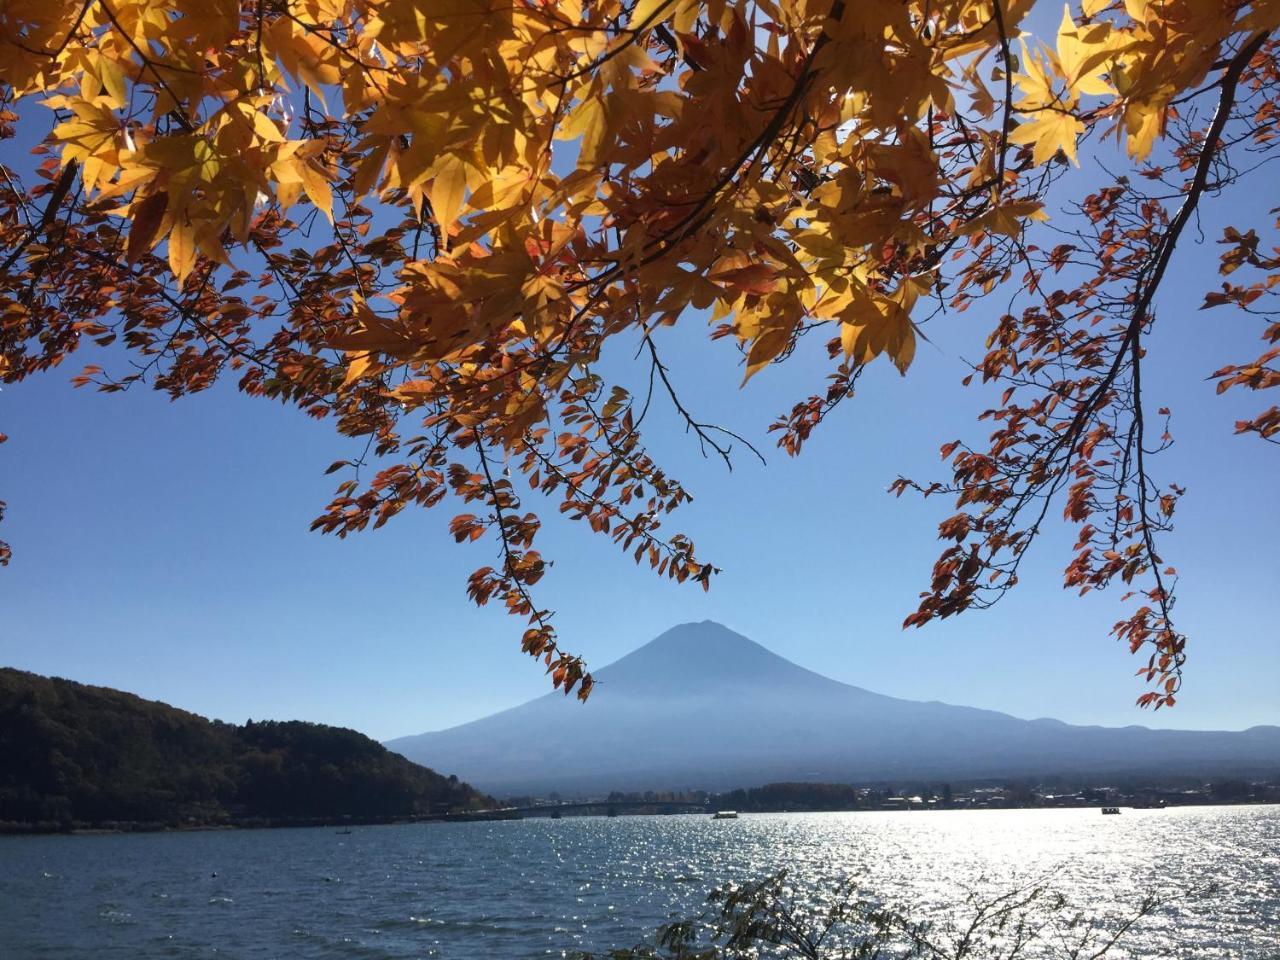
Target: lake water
x=538, y=888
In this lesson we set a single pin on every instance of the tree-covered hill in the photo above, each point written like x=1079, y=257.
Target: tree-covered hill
x=72, y=754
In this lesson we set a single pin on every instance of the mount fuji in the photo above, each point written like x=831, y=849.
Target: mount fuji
x=703, y=707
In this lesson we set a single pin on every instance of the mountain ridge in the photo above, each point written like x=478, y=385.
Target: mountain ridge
x=701, y=706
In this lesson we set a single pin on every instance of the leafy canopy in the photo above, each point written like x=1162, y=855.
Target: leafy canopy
x=425, y=221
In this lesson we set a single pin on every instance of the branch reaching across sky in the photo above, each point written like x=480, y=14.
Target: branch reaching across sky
x=428, y=223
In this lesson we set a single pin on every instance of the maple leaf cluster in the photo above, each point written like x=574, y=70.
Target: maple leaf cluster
x=426, y=222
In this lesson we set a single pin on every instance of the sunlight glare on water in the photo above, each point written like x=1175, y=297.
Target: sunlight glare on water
x=538, y=888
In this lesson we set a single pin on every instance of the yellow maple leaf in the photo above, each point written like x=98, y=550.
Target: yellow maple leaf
x=1083, y=53
x=1006, y=218
x=1051, y=131
x=447, y=192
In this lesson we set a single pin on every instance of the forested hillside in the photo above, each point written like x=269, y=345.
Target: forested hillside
x=72, y=754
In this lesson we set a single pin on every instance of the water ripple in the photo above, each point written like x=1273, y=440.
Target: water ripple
x=540, y=888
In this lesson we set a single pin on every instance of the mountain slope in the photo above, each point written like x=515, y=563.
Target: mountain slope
x=89, y=755
x=704, y=707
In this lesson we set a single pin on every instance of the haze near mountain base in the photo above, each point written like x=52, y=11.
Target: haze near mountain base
x=704, y=707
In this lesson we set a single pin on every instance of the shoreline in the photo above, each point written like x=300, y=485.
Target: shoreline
x=115, y=828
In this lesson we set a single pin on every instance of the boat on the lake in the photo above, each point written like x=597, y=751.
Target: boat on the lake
x=1114, y=811
x=725, y=815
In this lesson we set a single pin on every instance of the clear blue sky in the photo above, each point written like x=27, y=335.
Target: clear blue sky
x=163, y=549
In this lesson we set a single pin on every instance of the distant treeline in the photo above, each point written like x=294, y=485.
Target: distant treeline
x=1052, y=791
x=775, y=797
x=770, y=798
x=79, y=756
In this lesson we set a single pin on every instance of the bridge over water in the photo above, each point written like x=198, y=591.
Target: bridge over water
x=612, y=808
x=586, y=808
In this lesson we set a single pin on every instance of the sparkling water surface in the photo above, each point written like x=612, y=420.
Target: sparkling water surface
x=538, y=888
